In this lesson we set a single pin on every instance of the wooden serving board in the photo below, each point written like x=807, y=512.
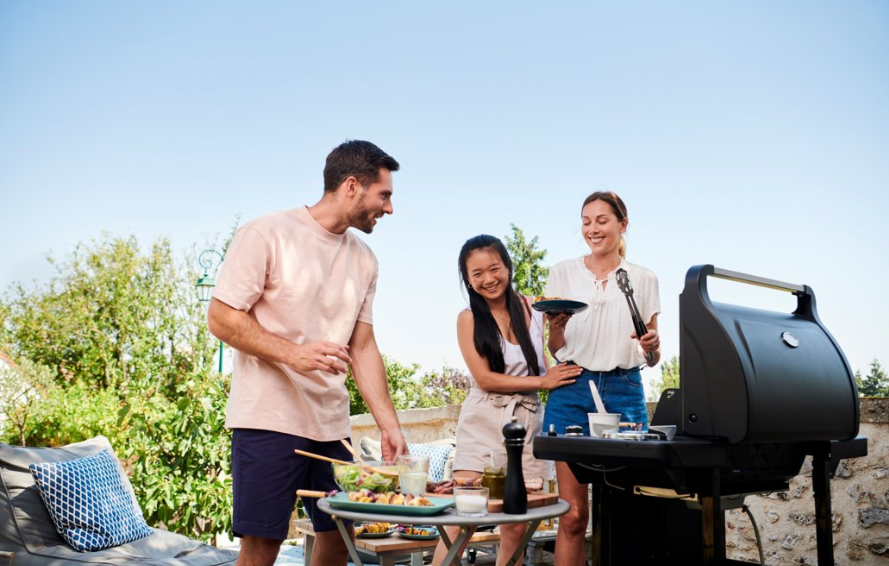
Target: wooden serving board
x=496, y=505
x=534, y=500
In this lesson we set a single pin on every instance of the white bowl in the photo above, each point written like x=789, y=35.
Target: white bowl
x=603, y=422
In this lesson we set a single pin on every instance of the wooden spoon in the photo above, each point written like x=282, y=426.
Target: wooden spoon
x=359, y=459
x=352, y=450
x=311, y=493
x=320, y=457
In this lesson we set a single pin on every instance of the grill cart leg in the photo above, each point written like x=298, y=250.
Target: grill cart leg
x=596, y=512
x=712, y=524
x=821, y=473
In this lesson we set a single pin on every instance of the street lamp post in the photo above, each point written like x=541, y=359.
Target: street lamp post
x=209, y=259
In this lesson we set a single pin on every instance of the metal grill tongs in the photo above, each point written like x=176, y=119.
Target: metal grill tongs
x=623, y=282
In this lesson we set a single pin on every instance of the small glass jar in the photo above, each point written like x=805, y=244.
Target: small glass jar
x=494, y=477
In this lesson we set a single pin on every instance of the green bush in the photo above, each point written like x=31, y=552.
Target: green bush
x=179, y=452
x=73, y=413
x=125, y=341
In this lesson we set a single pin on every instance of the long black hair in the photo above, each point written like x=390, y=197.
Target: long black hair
x=487, y=334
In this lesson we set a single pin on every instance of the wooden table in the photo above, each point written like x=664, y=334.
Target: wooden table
x=389, y=550
x=449, y=517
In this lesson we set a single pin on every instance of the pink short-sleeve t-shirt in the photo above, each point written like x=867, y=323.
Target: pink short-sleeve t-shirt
x=303, y=283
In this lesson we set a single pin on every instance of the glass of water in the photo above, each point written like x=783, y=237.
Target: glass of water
x=413, y=472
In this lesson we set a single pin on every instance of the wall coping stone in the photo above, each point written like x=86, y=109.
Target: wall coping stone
x=413, y=416
x=873, y=410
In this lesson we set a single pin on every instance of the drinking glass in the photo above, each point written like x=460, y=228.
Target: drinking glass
x=494, y=477
x=471, y=501
x=413, y=472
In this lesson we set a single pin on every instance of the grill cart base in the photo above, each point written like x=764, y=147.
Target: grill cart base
x=663, y=503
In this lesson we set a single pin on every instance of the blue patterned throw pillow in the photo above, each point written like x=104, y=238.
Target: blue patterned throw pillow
x=89, y=502
x=438, y=457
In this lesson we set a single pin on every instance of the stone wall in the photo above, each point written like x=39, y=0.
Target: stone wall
x=860, y=495
x=417, y=425
x=859, y=502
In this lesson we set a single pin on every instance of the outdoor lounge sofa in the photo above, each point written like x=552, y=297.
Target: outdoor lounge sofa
x=27, y=530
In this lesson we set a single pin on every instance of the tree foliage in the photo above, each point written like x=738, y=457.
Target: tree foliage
x=529, y=274
x=669, y=378
x=434, y=389
x=400, y=382
x=21, y=387
x=439, y=388
x=180, y=450
x=129, y=353
x=112, y=314
x=875, y=384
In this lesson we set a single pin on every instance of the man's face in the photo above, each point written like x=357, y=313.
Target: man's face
x=372, y=202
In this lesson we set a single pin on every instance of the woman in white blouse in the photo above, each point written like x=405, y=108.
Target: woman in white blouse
x=603, y=342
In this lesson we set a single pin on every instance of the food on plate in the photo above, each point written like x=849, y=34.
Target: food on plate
x=440, y=487
x=372, y=528
x=446, y=487
x=534, y=485
x=539, y=298
x=385, y=498
x=388, y=498
x=419, y=531
x=352, y=477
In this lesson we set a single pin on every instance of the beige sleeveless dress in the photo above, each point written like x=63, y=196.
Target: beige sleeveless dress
x=480, y=427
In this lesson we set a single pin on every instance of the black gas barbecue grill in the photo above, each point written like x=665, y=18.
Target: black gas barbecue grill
x=759, y=392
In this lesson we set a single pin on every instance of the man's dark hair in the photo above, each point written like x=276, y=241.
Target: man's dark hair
x=359, y=159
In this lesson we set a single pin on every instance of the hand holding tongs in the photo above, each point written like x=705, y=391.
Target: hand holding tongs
x=623, y=282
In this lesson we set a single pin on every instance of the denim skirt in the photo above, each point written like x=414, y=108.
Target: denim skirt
x=621, y=391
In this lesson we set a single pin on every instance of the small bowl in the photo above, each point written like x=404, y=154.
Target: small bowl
x=365, y=475
x=603, y=422
x=418, y=532
x=667, y=430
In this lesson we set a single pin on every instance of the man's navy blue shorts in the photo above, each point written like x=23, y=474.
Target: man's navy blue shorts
x=266, y=474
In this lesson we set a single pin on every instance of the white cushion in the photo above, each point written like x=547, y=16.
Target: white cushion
x=371, y=449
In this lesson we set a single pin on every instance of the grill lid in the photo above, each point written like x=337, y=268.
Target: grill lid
x=750, y=375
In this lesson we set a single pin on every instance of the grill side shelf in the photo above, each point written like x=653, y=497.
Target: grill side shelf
x=662, y=454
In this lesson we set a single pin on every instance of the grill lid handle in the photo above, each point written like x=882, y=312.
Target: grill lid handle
x=756, y=280
x=696, y=278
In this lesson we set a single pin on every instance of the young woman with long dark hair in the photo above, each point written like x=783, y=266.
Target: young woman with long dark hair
x=501, y=339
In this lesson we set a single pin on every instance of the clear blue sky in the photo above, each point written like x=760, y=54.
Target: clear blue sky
x=751, y=135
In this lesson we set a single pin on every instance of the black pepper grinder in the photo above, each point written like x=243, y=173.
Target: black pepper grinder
x=515, y=498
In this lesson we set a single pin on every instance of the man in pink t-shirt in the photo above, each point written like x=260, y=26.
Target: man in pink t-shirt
x=295, y=301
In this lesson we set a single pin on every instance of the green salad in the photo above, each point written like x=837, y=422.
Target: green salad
x=351, y=477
